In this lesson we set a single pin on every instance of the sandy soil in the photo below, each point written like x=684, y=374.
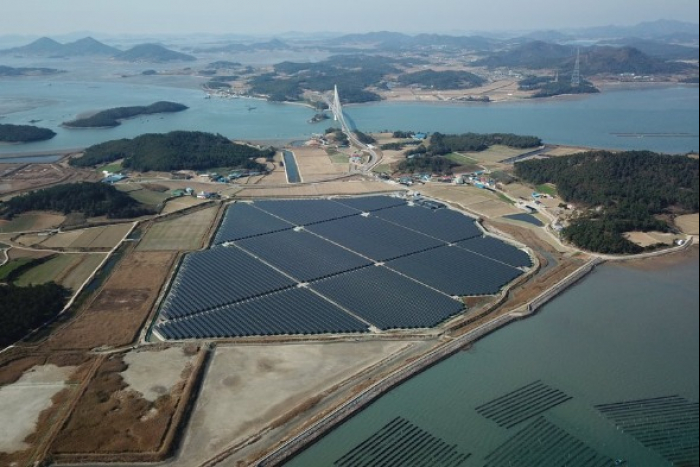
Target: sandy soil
x=153, y=374
x=247, y=387
x=688, y=224
x=23, y=401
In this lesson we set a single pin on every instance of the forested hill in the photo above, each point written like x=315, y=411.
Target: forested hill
x=38, y=303
x=176, y=150
x=624, y=192
x=91, y=199
x=24, y=133
x=112, y=117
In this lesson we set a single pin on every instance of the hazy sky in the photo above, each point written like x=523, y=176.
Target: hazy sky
x=267, y=17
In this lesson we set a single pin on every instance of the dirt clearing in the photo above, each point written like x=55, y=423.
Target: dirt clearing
x=153, y=374
x=688, y=224
x=31, y=222
x=248, y=387
x=23, y=401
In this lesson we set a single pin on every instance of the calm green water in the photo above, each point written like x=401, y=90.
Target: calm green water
x=589, y=121
x=620, y=334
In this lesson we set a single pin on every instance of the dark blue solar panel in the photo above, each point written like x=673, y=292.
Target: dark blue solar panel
x=444, y=224
x=303, y=255
x=372, y=203
x=308, y=211
x=222, y=275
x=456, y=271
x=498, y=250
x=293, y=311
x=374, y=238
x=388, y=300
x=242, y=220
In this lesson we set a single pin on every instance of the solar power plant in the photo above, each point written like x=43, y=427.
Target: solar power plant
x=388, y=300
x=498, y=250
x=543, y=444
x=400, y=443
x=444, y=224
x=371, y=203
x=667, y=425
x=522, y=404
x=456, y=271
x=292, y=311
x=303, y=255
x=242, y=220
x=374, y=238
x=219, y=276
x=307, y=211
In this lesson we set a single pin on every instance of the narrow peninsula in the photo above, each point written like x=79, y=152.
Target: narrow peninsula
x=112, y=117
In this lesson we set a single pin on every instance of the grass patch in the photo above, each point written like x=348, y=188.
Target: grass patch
x=382, y=168
x=547, y=189
x=7, y=269
x=113, y=167
x=47, y=271
x=149, y=197
x=461, y=159
x=339, y=158
x=505, y=199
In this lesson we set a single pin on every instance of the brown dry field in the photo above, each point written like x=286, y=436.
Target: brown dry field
x=315, y=164
x=32, y=221
x=113, y=420
x=645, y=239
x=480, y=202
x=116, y=315
x=688, y=223
x=183, y=202
x=106, y=237
x=351, y=187
x=16, y=253
x=182, y=233
x=61, y=239
x=35, y=176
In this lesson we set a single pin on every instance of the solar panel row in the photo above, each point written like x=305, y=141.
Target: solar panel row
x=456, y=271
x=374, y=238
x=243, y=220
x=222, y=275
x=371, y=203
x=307, y=211
x=444, y=224
x=388, y=300
x=498, y=250
x=303, y=255
x=293, y=311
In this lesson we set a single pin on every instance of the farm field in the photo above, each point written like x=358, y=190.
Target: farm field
x=69, y=270
x=183, y=233
x=315, y=164
x=30, y=222
x=352, y=187
x=183, y=202
x=688, y=224
x=34, y=176
x=116, y=315
x=127, y=410
x=482, y=202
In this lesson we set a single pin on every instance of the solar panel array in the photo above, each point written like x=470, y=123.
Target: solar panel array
x=388, y=300
x=374, y=238
x=293, y=311
x=211, y=278
x=498, y=250
x=371, y=203
x=522, y=404
x=444, y=224
x=248, y=287
x=400, y=443
x=307, y=211
x=303, y=255
x=668, y=425
x=543, y=443
x=243, y=220
x=456, y=271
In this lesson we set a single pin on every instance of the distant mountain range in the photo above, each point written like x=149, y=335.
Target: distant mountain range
x=46, y=47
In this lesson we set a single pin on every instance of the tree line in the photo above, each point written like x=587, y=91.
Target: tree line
x=24, y=308
x=622, y=192
x=90, y=199
x=177, y=150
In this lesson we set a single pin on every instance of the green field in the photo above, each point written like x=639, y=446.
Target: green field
x=7, y=269
x=461, y=159
x=547, y=189
x=339, y=158
x=149, y=197
x=505, y=199
x=47, y=271
x=113, y=167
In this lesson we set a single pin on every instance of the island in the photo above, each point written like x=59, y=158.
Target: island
x=24, y=133
x=110, y=118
